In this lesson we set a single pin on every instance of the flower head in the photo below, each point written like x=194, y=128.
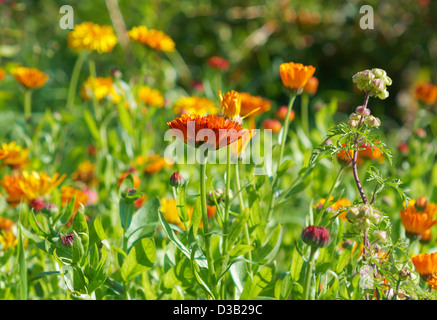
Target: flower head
x=6, y=224
x=101, y=88
x=295, y=76
x=35, y=185
x=176, y=180
x=426, y=93
x=230, y=105
x=418, y=220
x=425, y=264
x=92, y=37
x=216, y=132
x=85, y=172
x=7, y=239
x=30, y=77
x=252, y=106
x=311, y=86
x=67, y=239
x=195, y=105
x=151, y=97
x=238, y=147
x=80, y=197
x=152, y=38
x=281, y=113
x=316, y=236
x=14, y=155
x=373, y=81
x=272, y=124
x=123, y=175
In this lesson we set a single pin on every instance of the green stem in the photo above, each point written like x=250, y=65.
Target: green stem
x=92, y=69
x=74, y=79
x=325, y=205
x=242, y=206
x=308, y=273
x=208, y=252
x=304, y=115
x=27, y=104
x=281, y=154
x=226, y=214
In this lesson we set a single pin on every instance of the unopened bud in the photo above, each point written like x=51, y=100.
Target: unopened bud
x=352, y=214
x=68, y=239
x=372, y=122
x=362, y=111
x=421, y=203
x=176, y=180
x=37, y=204
x=316, y=236
x=380, y=236
x=354, y=116
x=353, y=123
x=50, y=209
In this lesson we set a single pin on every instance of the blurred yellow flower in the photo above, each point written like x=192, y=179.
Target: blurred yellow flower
x=35, y=185
x=153, y=163
x=30, y=77
x=14, y=155
x=101, y=87
x=91, y=36
x=169, y=210
x=152, y=38
x=295, y=76
x=150, y=97
x=85, y=173
x=195, y=105
x=7, y=239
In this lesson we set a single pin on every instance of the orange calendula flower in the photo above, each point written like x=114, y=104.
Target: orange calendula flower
x=2, y=74
x=7, y=239
x=151, y=97
x=92, y=37
x=195, y=105
x=311, y=86
x=155, y=163
x=433, y=282
x=295, y=76
x=418, y=221
x=67, y=193
x=123, y=175
x=217, y=132
x=101, y=88
x=230, y=105
x=371, y=153
x=281, y=113
x=426, y=93
x=14, y=155
x=272, y=124
x=30, y=77
x=34, y=184
x=152, y=38
x=338, y=206
x=11, y=184
x=252, y=106
x=6, y=224
x=425, y=264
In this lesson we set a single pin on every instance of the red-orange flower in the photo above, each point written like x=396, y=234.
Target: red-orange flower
x=272, y=124
x=425, y=264
x=218, y=63
x=67, y=193
x=30, y=77
x=426, y=93
x=311, y=86
x=214, y=131
x=281, y=113
x=418, y=221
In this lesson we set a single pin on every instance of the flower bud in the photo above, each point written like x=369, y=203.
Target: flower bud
x=380, y=236
x=362, y=111
x=353, y=123
x=176, y=180
x=354, y=116
x=362, y=223
x=37, y=204
x=405, y=274
x=352, y=214
x=68, y=239
x=372, y=122
x=421, y=204
x=50, y=209
x=316, y=236
x=366, y=211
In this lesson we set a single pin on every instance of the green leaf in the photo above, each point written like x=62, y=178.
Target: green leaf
x=36, y=226
x=254, y=286
x=240, y=250
x=80, y=225
x=269, y=250
x=283, y=286
x=67, y=211
x=296, y=265
x=181, y=205
x=22, y=265
x=78, y=249
x=237, y=227
x=101, y=271
x=144, y=222
x=196, y=217
x=92, y=126
x=284, y=167
x=140, y=258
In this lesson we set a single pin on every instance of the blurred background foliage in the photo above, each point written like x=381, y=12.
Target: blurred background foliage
x=255, y=36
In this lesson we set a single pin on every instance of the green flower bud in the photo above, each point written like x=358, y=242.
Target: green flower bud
x=380, y=236
x=372, y=122
x=352, y=214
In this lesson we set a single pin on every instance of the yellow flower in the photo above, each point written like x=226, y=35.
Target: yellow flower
x=337, y=207
x=35, y=185
x=433, y=282
x=151, y=97
x=295, y=76
x=7, y=239
x=169, y=210
x=425, y=264
x=196, y=105
x=154, y=163
x=85, y=172
x=230, y=104
x=14, y=155
x=101, y=87
x=30, y=77
x=91, y=36
x=11, y=184
x=152, y=38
